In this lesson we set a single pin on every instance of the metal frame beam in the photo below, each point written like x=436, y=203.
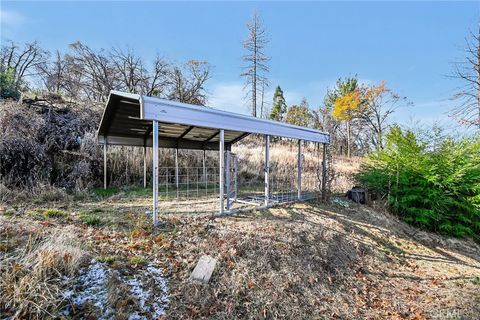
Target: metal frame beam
x=186, y=132
x=164, y=142
x=239, y=138
x=176, y=172
x=324, y=172
x=227, y=178
x=155, y=173
x=299, y=170
x=267, y=168
x=213, y=136
x=221, y=170
x=105, y=165
x=144, y=167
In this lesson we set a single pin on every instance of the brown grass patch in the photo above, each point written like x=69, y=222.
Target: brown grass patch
x=32, y=277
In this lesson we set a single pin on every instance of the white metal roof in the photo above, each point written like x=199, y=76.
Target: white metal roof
x=127, y=120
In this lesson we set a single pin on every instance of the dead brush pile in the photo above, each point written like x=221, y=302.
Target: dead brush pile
x=33, y=271
x=274, y=270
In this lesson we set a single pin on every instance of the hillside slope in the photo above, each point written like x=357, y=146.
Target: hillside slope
x=299, y=261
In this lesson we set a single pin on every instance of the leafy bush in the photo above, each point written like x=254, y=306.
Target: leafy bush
x=437, y=188
x=9, y=88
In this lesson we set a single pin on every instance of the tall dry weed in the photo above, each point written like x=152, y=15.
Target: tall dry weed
x=33, y=276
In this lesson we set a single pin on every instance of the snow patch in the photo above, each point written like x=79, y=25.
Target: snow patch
x=147, y=286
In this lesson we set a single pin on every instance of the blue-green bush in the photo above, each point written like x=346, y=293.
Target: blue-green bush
x=435, y=188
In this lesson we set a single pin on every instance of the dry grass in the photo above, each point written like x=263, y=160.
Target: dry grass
x=283, y=161
x=317, y=261
x=31, y=278
x=322, y=262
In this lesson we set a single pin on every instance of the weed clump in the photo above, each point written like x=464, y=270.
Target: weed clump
x=107, y=259
x=137, y=260
x=90, y=219
x=54, y=214
x=9, y=212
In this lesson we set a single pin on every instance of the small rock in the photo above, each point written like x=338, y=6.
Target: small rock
x=204, y=269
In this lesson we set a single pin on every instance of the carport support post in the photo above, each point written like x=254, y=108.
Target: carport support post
x=176, y=170
x=221, y=170
x=324, y=172
x=144, y=166
x=104, y=162
x=205, y=170
x=299, y=168
x=235, y=168
x=155, y=172
x=267, y=168
x=227, y=178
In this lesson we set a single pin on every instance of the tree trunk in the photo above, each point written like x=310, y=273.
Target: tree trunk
x=379, y=138
x=348, y=139
x=262, y=99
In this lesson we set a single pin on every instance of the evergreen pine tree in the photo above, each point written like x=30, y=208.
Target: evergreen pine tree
x=279, y=105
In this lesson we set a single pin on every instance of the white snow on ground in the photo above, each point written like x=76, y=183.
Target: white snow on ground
x=91, y=287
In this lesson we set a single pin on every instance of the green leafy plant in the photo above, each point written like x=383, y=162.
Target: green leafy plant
x=9, y=87
x=54, y=213
x=90, y=219
x=137, y=260
x=107, y=259
x=437, y=189
x=9, y=212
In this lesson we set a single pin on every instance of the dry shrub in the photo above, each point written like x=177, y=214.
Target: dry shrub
x=41, y=193
x=32, y=278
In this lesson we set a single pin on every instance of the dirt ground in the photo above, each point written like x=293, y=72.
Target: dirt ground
x=302, y=261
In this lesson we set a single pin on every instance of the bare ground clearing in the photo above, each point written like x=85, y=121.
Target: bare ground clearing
x=300, y=261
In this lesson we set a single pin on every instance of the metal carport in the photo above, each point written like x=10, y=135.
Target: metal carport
x=143, y=121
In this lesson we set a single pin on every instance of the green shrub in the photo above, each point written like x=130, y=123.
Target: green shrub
x=54, y=213
x=90, y=219
x=437, y=190
x=137, y=260
x=9, y=88
x=105, y=193
x=107, y=259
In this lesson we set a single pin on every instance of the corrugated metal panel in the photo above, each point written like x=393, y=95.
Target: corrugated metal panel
x=127, y=120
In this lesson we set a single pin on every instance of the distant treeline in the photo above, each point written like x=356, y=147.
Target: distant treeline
x=87, y=74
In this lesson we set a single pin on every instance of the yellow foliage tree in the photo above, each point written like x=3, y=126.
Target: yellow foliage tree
x=347, y=106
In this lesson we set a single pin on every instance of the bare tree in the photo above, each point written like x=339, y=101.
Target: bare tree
x=25, y=62
x=129, y=69
x=378, y=104
x=468, y=71
x=54, y=73
x=99, y=75
x=187, y=82
x=72, y=82
x=158, y=81
x=90, y=74
x=255, y=59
